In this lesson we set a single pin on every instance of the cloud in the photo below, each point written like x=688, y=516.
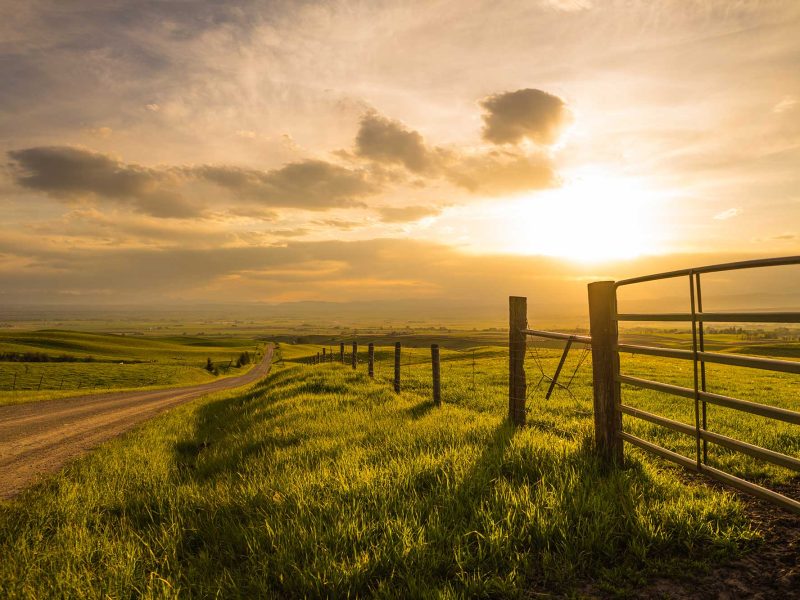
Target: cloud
x=493, y=172
x=502, y=172
x=511, y=117
x=786, y=103
x=385, y=140
x=568, y=5
x=66, y=172
x=35, y=267
x=309, y=184
x=342, y=224
x=101, y=132
x=70, y=173
x=407, y=214
x=287, y=233
x=728, y=214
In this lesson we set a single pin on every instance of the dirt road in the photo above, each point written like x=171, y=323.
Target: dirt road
x=40, y=437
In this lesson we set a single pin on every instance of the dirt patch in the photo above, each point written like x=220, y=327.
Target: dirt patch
x=769, y=570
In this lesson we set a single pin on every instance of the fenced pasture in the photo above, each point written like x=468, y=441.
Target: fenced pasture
x=482, y=384
x=36, y=365
x=752, y=400
x=322, y=481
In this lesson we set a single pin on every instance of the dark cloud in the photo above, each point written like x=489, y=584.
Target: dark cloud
x=494, y=172
x=368, y=269
x=288, y=233
x=68, y=173
x=342, y=224
x=309, y=184
x=511, y=117
x=503, y=172
x=406, y=214
x=385, y=140
x=357, y=271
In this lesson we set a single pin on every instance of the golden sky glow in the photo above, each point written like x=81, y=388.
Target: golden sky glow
x=255, y=150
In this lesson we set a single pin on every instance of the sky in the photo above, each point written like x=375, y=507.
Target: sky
x=244, y=151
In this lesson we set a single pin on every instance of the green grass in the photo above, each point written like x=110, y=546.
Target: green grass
x=117, y=362
x=321, y=482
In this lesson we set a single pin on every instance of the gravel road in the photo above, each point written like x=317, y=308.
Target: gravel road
x=38, y=438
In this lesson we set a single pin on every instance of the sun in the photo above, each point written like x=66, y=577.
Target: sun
x=595, y=216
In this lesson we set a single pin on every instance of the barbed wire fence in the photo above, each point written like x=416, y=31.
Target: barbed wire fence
x=477, y=376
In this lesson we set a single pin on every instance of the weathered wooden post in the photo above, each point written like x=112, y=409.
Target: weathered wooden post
x=517, y=386
x=355, y=354
x=371, y=359
x=40, y=382
x=341, y=352
x=14, y=386
x=437, y=383
x=323, y=355
x=317, y=358
x=605, y=359
x=397, y=367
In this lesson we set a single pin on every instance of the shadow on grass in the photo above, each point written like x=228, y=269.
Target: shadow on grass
x=578, y=518
x=420, y=410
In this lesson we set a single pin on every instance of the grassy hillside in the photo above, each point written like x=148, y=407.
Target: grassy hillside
x=322, y=482
x=49, y=363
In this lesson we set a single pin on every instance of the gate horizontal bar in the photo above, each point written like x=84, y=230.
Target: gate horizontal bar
x=751, y=488
x=680, y=459
x=735, y=482
x=656, y=351
x=657, y=386
x=715, y=317
x=736, y=360
x=732, y=266
x=752, y=362
x=658, y=420
x=776, y=458
x=763, y=410
x=749, y=317
x=554, y=335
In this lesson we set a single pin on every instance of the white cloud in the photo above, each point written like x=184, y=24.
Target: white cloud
x=728, y=214
x=787, y=103
x=568, y=5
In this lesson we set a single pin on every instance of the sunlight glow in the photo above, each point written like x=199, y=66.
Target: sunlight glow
x=595, y=216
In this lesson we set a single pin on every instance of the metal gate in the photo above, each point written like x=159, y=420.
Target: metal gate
x=698, y=393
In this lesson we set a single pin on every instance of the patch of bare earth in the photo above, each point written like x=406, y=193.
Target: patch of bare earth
x=771, y=569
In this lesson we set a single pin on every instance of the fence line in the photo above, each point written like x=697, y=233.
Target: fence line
x=608, y=379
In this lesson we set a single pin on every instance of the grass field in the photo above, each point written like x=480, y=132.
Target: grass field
x=99, y=362
x=322, y=482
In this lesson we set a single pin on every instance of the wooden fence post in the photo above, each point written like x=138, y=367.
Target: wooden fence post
x=317, y=358
x=437, y=383
x=371, y=359
x=517, y=386
x=40, y=382
x=341, y=352
x=607, y=415
x=323, y=355
x=397, y=367
x=355, y=354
